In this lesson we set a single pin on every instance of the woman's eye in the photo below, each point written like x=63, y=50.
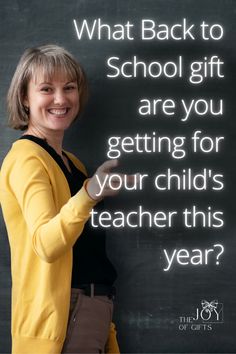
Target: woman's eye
x=46, y=89
x=70, y=87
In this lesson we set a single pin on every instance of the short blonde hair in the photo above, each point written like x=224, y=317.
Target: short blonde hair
x=50, y=59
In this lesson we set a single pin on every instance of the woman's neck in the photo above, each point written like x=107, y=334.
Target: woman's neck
x=53, y=138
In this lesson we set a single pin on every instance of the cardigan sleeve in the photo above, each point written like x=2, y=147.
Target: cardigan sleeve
x=53, y=233
x=112, y=346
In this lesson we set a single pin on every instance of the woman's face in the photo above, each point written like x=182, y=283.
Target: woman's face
x=53, y=104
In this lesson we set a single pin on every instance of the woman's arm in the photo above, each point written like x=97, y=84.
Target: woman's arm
x=53, y=232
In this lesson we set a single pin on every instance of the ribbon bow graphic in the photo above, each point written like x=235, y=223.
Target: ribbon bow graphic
x=209, y=306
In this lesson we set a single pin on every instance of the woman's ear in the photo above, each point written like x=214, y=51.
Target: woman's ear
x=26, y=104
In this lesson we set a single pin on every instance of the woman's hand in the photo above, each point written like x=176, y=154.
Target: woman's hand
x=102, y=185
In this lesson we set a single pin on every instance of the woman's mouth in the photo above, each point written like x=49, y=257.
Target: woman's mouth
x=58, y=111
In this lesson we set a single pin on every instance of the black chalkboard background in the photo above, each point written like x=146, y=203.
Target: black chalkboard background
x=149, y=301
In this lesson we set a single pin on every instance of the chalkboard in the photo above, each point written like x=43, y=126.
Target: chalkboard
x=176, y=290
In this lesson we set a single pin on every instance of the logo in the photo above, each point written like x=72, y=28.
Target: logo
x=204, y=317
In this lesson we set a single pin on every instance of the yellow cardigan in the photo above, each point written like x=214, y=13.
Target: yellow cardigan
x=43, y=222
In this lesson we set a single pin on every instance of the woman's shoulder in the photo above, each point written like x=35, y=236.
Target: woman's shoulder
x=25, y=147
x=21, y=151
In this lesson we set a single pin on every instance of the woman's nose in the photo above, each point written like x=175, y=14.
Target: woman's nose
x=59, y=97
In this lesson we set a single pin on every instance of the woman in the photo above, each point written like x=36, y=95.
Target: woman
x=62, y=280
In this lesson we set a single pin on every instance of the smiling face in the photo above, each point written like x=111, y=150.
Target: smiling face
x=53, y=103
